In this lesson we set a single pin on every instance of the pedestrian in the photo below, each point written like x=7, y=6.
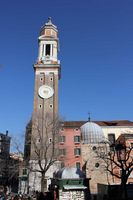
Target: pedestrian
x=2, y=194
x=42, y=196
x=16, y=197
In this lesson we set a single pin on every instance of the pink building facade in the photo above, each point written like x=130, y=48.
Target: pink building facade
x=70, y=146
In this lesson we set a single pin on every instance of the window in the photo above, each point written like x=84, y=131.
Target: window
x=38, y=140
x=77, y=139
x=131, y=145
x=51, y=106
x=24, y=171
x=62, y=152
x=94, y=148
x=50, y=140
x=76, y=129
x=62, y=138
x=78, y=165
x=77, y=151
x=97, y=165
x=40, y=106
x=111, y=138
x=47, y=49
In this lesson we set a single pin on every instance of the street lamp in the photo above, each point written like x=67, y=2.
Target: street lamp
x=121, y=152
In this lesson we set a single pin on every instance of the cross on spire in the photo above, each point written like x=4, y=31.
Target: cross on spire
x=89, y=116
x=49, y=20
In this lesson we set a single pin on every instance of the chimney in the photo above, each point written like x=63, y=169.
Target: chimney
x=6, y=132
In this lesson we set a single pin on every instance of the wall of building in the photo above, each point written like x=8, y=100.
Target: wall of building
x=94, y=166
x=117, y=130
x=70, y=159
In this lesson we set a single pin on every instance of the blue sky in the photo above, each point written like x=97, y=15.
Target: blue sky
x=96, y=53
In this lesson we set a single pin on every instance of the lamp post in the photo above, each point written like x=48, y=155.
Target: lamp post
x=120, y=152
x=121, y=158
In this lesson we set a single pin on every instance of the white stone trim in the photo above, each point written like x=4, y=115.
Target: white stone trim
x=47, y=72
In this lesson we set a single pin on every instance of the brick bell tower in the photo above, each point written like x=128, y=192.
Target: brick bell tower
x=47, y=75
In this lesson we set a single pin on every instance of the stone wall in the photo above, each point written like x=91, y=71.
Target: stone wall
x=95, y=167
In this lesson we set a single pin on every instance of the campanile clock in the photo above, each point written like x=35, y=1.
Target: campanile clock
x=45, y=92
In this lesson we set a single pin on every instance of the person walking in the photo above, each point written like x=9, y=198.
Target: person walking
x=2, y=194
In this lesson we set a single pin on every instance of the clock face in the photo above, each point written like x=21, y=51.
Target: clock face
x=45, y=91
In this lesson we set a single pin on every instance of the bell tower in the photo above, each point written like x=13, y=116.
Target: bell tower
x=47, y=75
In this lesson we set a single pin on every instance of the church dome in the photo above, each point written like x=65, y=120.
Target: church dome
x=70, y=173
x=91, y=133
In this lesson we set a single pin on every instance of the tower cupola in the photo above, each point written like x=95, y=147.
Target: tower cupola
x=48, y=43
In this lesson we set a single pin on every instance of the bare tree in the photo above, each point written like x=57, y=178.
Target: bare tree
x=118, y=159
x=17, y=144
x=43, y=145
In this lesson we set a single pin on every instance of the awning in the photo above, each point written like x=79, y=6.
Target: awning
x=73, y=187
